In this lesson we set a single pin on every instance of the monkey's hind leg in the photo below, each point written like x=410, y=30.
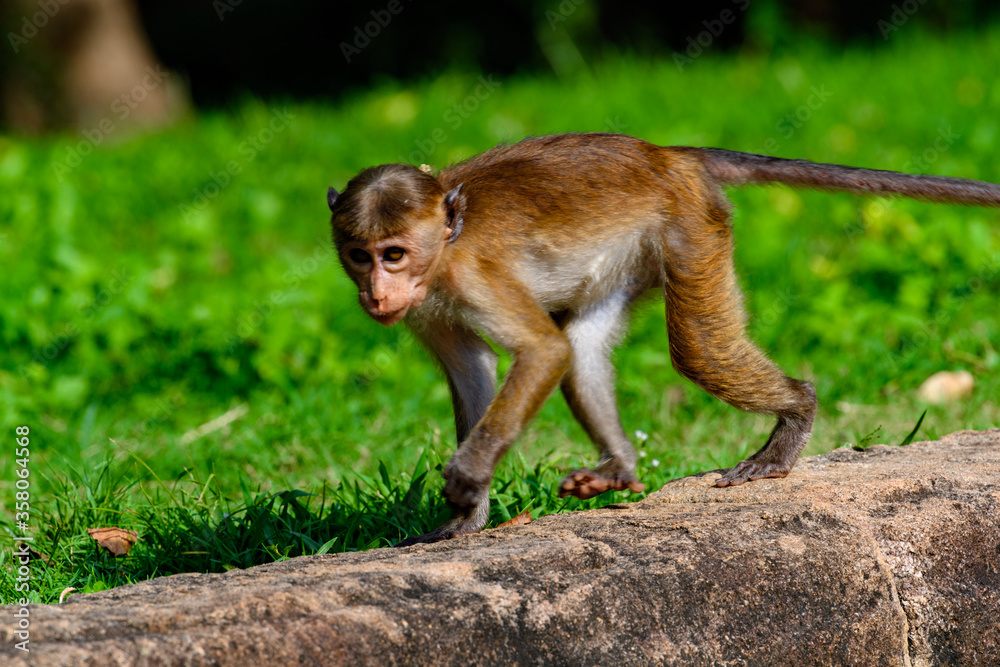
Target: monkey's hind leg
x=588, y=387
x=708, y=344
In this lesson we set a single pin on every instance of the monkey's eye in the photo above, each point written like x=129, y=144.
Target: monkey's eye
x=359, y=256
x=393, y=254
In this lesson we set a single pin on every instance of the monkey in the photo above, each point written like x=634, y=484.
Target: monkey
x=543, y=247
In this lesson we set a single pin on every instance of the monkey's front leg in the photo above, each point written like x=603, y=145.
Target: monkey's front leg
x=533, y=376
x=541, y=357
x=471, y=367
x=467, y=491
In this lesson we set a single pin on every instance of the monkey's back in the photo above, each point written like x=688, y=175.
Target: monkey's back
x=573, y=186
x=579, y=210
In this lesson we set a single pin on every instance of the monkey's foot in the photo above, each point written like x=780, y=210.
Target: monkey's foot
x=747, y=471
x=441, y=534
x=586, y=483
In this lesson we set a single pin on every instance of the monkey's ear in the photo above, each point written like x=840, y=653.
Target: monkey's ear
x=454, y=201
x=331, y=197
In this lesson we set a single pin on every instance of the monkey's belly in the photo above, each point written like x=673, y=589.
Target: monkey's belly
x=590, y=275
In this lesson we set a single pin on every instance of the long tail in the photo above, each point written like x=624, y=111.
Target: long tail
x=735, y=168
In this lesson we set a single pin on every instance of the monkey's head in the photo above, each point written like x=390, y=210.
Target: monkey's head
x=391, y=225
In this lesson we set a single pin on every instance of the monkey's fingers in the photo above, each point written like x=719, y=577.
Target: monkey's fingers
x=585, y=484
x=746, y=471
x=594, y=487
x=634, y=486
x=620, y=483
x=449, y=531
x=428, y=538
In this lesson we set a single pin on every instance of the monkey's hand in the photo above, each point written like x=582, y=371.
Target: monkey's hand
x=468, y=478
x=468, y=493
x=586, y=483
x=464, y=522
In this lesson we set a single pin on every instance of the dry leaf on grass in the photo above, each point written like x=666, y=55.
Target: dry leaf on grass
x=519, y=520
x=117, y=541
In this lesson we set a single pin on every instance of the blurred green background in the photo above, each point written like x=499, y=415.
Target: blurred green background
x=179, y=337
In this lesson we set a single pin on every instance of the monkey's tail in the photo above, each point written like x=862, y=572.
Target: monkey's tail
x=736, y=168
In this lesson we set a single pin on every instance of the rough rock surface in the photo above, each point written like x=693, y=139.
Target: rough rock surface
x=889, y=556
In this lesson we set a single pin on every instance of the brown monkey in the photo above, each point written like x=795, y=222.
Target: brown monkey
x=543, y=246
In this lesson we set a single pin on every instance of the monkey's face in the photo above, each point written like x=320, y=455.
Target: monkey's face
x=393, y=274
x=391, y=226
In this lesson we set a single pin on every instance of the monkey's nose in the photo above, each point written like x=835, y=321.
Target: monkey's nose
x=382, y=305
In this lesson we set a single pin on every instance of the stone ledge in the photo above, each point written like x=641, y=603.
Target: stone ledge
x=889, y=556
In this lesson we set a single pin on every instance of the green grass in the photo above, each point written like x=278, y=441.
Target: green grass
x=141, y=301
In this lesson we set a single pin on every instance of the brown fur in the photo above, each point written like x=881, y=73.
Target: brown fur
x=542, y=246
x=382, y=201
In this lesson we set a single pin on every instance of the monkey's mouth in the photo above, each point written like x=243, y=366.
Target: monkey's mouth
x=388, y=319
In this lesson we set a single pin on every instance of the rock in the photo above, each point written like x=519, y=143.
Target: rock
x=890, y=556
x=946, y=386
